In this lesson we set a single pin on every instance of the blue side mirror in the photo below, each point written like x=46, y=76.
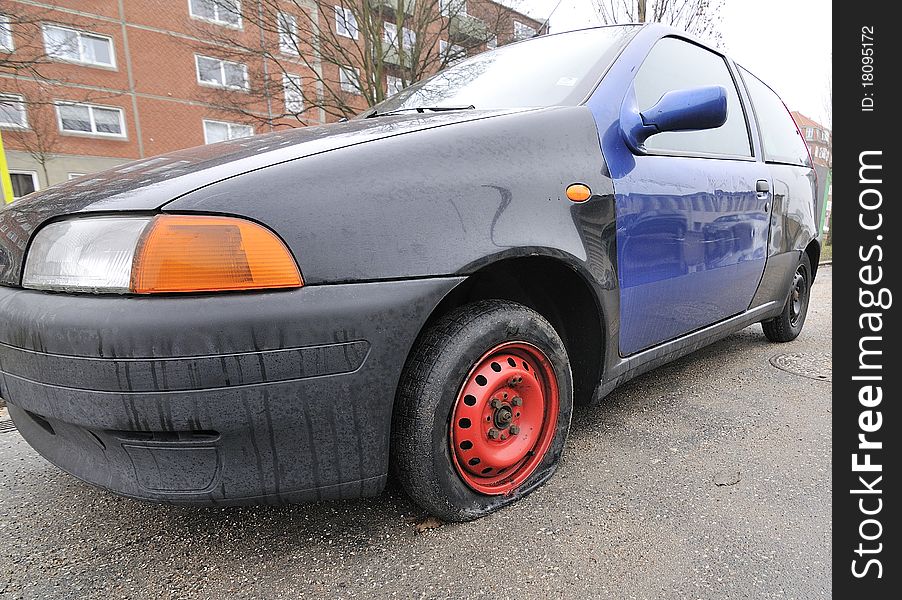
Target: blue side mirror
x=691, y=109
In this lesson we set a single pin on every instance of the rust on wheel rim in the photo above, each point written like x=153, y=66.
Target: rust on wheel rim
x=504, y=418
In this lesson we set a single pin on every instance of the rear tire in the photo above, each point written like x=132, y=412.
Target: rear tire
x=483, y=410
x=788, y=325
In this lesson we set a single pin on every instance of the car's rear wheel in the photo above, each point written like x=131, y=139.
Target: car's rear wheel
x=483, y=410
x=788, y=325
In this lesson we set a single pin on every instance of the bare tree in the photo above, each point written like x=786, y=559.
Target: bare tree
x=341, y=56
x=41, y=140
x=699, y=17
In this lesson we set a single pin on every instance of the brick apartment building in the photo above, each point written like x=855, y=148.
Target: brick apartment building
x=818, y=138
x=127, y=79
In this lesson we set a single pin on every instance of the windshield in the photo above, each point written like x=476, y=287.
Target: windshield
x=552, y=70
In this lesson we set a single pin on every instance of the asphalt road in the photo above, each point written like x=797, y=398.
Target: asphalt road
x=707, y=478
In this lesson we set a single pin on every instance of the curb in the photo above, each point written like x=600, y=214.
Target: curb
x=826, y=262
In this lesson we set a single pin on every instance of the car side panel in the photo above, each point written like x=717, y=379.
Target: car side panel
x=792, y=219
x=691, y=245
x=792, y=228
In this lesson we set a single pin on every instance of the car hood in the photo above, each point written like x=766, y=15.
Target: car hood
x=149, y=184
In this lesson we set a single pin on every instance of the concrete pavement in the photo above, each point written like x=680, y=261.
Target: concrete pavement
x=707, y=478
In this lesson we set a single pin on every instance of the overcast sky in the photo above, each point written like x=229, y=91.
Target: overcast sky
x=787, y=43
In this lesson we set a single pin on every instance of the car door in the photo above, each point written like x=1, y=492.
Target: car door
x=692, y=220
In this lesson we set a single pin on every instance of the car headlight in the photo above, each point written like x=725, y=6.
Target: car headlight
x=161, y=254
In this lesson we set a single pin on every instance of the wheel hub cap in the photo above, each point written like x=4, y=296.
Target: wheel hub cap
x=504, y=418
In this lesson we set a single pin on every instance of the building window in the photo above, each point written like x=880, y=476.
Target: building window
x=393, y=85
x=221, y=12
x=409, y=37
x=76, y=46
x=390, y=34
x=824, y=136
x=345, y=22
x=294, y=96
x=6, y=34
x=288, y=34
x=220, y=131
x=221, y=73
x=349, y=79
x=522, y=31
x=12, y=112
x=24, y=183
x=453, y=8
x=106, y=121
x=491, y=43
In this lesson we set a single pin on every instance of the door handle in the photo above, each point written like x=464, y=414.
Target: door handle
x=762, y=188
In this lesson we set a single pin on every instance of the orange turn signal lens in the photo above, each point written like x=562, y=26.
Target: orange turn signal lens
x=578, y=192
x=182, y=253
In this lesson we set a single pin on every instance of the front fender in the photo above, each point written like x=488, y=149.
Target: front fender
x=435, y=202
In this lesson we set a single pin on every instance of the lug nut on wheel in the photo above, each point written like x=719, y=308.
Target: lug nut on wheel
x=494, y=433
x=517, y=401
x=515, y=429
x=496, y=403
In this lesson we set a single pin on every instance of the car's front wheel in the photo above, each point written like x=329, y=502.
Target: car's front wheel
x=788, y=325
x=483, y=410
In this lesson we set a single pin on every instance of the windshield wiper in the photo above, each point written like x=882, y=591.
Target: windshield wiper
x=419, y=109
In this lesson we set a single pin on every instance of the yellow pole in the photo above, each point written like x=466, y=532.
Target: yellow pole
x=6, y=183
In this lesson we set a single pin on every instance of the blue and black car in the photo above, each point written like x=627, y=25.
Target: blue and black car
x=427, y=288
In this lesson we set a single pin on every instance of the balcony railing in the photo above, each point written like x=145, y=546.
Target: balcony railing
x=464, y=26
x=393, y=57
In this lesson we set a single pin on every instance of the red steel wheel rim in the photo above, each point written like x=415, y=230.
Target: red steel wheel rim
x=504, y=418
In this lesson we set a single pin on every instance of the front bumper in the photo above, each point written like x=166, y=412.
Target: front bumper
x=235, y=398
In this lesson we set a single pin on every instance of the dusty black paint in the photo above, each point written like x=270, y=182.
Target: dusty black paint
x=314, y=435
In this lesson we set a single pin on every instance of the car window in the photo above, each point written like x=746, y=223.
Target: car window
x=560, y=69
x=674, y=64
x=779, y=134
